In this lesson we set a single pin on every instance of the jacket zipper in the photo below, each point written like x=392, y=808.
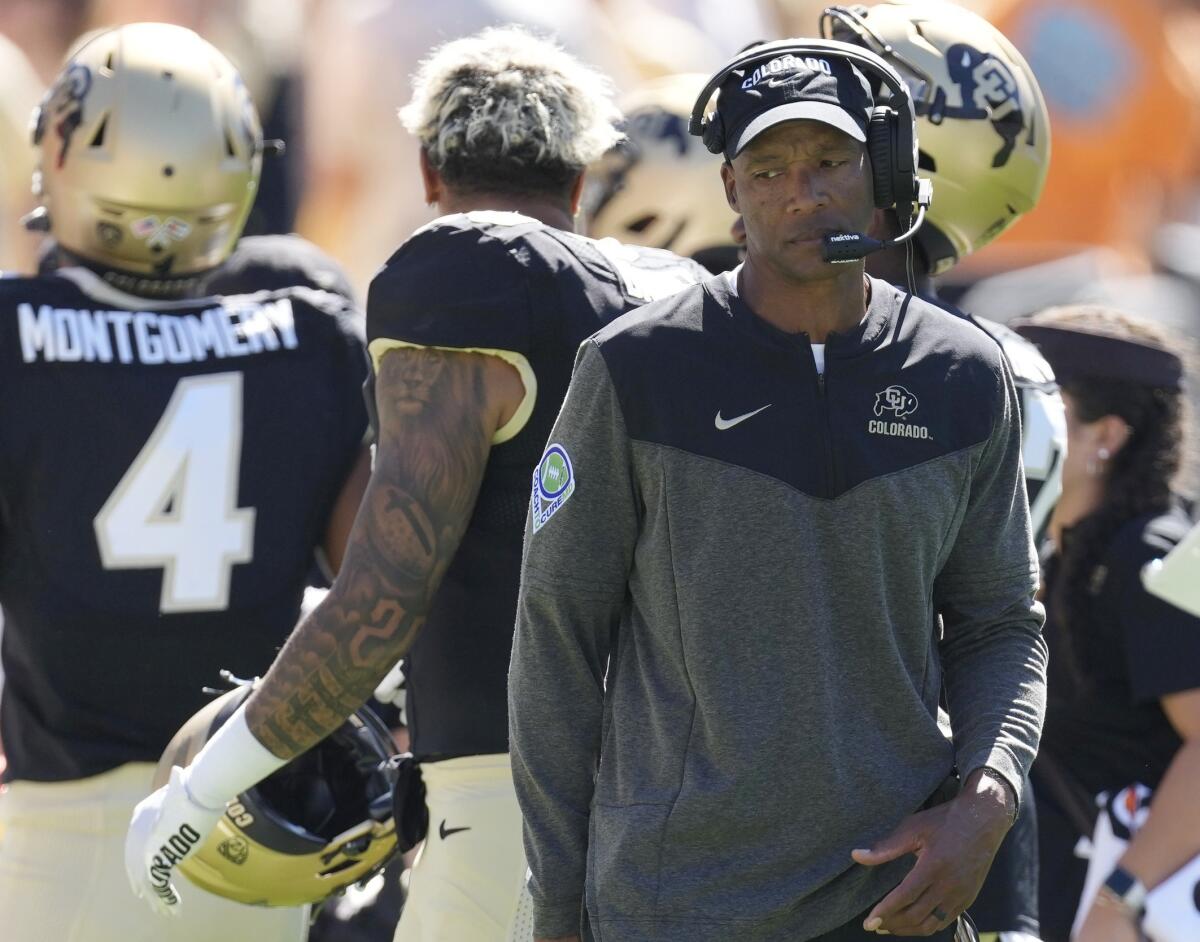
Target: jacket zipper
x=823, y=400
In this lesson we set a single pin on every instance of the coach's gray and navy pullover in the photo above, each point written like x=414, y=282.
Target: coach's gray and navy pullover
x=728, y=661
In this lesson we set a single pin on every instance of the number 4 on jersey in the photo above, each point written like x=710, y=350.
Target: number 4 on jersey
x=176, y=506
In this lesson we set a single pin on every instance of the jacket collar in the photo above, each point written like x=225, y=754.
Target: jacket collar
x=867, y=335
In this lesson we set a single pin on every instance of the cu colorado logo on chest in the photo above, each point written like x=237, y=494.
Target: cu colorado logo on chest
x=896, y=403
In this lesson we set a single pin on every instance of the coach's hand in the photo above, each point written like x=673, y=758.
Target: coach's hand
x=165, y=828
x=954, y=845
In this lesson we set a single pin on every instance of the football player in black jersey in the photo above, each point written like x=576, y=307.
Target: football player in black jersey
x=629, y=196
x=169, y=464
x=473, y=326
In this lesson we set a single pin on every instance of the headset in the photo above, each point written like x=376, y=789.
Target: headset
x=891, y=137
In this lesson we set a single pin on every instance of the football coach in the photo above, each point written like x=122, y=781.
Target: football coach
x=779, y=514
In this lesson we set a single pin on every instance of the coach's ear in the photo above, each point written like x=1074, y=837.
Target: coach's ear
x=431, y=179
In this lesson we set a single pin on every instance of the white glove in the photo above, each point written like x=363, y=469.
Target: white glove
x=165, y=829
x=393, y=689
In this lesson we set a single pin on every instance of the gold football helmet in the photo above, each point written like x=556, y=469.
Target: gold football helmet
x=319, y=824
x=983, y=130
x=149, y=152
x=661, y=187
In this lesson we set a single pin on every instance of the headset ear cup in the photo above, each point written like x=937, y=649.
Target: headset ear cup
x=713, y=134
x=881, y=147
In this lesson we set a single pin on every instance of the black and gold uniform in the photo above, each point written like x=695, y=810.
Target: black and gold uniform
x=509, y=286
x=504, y=284
x=166, y=470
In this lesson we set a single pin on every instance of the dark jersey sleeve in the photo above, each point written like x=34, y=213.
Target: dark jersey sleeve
x=350, y=325
x=451, y=286
x=1162, y=642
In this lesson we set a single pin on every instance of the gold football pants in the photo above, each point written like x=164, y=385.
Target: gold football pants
x=62, y=872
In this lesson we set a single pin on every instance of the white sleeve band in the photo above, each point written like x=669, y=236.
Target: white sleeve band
x=232, y=761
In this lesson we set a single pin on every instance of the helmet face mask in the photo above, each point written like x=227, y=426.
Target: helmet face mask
x=661, y=187
x=149, y=152
x=983, y=129
x=317, y=825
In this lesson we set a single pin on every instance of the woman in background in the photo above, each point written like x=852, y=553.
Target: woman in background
x=1124, y=680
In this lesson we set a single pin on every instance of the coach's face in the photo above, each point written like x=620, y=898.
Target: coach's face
x=793, y=184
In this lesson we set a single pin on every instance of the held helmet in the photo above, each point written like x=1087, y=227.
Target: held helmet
x=149, y=152
x=982, y=124
x=661, y=187
x=309, y=830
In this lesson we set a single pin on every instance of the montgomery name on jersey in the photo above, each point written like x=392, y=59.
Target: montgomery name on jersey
x=530, y=295
x=149, y=451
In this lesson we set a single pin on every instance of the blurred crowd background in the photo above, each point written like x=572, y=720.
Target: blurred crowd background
x=1119, y=221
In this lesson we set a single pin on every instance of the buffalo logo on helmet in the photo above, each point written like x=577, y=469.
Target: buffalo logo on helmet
x=897, y=400
x=235, y=850
x=660, y=125
x=988, y=91
x=63, y=105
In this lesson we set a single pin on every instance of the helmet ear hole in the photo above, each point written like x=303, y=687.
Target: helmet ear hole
x=642, y=223
x=881, y=147
x=98, y=138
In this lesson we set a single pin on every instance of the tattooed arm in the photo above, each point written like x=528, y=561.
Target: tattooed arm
x=438, y=412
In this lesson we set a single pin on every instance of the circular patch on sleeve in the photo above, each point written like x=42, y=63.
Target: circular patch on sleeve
x=553, y=484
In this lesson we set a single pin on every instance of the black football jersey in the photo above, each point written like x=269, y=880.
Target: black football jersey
x=508, y=284
x=166, y=470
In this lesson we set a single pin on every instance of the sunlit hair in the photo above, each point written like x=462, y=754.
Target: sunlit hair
x=504, y=110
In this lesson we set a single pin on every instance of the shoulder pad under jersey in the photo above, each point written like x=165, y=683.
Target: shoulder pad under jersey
x=1028, y=366
x=646, y=273
x=454, y=283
